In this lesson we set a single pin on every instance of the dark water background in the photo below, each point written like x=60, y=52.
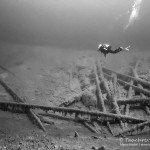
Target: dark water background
x=79, y=24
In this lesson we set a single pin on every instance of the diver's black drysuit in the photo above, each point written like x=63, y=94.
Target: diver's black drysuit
x=105, y=49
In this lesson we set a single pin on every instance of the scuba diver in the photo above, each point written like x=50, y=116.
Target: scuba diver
x=106, y=49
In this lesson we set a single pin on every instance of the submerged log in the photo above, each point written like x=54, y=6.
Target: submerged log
x=126, y=84
x=18, y=99
x=135, y=74
x=100, y=100
x=109, y=127
x=114, y=102
x=5, y=69
x=63, y=117
x=33, y=116
x=15, y=97
x=102, y=120
x=103, y=81
x=83, y=80
x=147, y=108
x=96, y=125
x=127, y=78
x=129, y=96
x=142, y=101
x=110, y=96
x=71, y=111
x=127, y=107
x=89, y=127
x=85, y=122
x=114, y=77
x=45, y=120
x=137, y=127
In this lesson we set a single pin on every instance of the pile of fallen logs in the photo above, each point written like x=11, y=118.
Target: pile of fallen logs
x=107, y=111
x=132, y=84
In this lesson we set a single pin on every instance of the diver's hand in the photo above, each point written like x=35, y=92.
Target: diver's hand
x=127, y=48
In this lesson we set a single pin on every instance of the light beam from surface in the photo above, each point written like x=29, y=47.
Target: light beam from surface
x=134, y=13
